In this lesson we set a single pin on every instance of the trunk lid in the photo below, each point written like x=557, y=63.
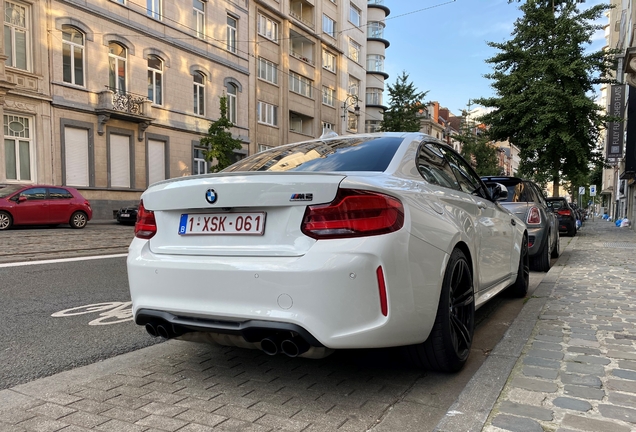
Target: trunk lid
x=278, y=200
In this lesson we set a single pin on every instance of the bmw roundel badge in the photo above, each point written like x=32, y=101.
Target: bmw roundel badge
x=210, y=196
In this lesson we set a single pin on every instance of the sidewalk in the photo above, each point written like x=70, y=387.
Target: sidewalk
x=573, y=369
x=567, y=363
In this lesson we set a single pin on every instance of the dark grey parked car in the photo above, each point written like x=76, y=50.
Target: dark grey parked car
x=527, y=202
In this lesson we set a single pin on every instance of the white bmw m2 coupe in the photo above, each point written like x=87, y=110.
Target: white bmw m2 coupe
x=357, y=241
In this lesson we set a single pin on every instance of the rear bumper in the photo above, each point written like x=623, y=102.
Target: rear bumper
x=539, y=234
x=332, y=296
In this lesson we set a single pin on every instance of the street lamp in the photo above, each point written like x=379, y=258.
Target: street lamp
x=351, y=100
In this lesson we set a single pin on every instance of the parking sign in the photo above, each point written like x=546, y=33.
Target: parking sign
x=593, y=190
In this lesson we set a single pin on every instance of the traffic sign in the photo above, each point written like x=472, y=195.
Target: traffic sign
x=593, y=190
x=582, y=190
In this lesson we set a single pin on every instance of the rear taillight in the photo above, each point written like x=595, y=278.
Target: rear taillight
x=354, y=213
x=564, y=213
x=534, y=216
x=146, y=227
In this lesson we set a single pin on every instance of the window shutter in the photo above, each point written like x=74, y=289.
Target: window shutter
x=119, y=161
x=156, y=161
x=76, y=156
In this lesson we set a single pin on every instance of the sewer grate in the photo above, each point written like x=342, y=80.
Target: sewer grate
x=620, y=245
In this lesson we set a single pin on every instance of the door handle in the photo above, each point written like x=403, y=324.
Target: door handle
x=512, y=221
x=482, y=205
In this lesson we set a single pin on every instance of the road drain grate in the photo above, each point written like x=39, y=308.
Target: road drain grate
x=620, y=245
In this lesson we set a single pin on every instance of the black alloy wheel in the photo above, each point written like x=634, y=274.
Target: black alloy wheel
x=541, y=262
x=448, y=345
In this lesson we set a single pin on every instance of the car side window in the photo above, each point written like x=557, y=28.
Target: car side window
x=34, y=194
x=59, y=193
x=468, y=180
x=540, y=195
x=434, y=168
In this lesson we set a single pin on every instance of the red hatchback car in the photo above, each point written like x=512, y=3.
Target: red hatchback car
x=42, y=205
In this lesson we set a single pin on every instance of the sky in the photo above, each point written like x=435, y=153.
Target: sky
x=443, y=49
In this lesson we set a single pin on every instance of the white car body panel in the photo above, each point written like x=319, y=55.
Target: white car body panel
x=328, y=287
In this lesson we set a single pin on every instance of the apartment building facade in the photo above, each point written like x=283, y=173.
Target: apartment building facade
x=110, y=96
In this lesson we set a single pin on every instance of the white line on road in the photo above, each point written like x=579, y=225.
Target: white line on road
x=61, y=260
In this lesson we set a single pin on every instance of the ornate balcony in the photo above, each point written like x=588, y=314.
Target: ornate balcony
x=124, y=106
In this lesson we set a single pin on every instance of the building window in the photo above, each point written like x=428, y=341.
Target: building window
x=231, y=103
x=72, y=56
x=374, y=96
x=352, y=122
x=117, y=67
x=199, y=164
x=119, y=153
x=328, y=61
x=371, y=126
x=328, y=26
x=199, y=93
x=354, y=86
x=16, y=35
x=263, y=147
x=267, y=28
x=375, y=63
x=76, y=156
x=299, y=84
x=18, y=148
x=156, y=161
x=354, y=15
x=154, y=9
x=198, y=11
x=155, y=80
x=232, y=24
x=328, y=95
x=354, y=50
x=375, y=29
x=120, y=1
x=328, y=126
x=267, y=114
x=267, y=70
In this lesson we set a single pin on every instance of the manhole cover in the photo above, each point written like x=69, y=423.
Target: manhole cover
x=620, y=245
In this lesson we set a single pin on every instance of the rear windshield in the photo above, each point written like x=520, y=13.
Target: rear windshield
x=557, y=204
x=517, y=191
x=343, y=154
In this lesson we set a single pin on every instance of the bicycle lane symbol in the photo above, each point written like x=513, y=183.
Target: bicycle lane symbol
x=111, y=312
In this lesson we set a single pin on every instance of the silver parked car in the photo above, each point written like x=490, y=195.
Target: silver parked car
x=527, y=202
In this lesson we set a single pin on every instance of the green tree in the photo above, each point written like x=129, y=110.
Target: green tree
x=219, y=143
x=405, y=103
x=544, y=80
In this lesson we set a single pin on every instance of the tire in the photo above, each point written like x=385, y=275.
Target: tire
x=6, y=221
x=556, y=251
x=572, y=230
x=519, y=289
x=541, y=262
x=78, y=220
x=448, y=345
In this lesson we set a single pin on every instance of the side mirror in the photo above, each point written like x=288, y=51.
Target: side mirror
x=22, y=199
x=499, y=192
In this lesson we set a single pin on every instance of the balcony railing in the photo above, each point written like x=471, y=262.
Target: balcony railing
x=301, y=19
x=301, y=57
x=128, y=102
x=379, y=2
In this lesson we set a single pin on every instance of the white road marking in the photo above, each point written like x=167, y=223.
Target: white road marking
x=112, y=312
x=61, y=260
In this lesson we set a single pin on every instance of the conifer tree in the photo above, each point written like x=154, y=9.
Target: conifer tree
x=544, y=80
x=405, y=103
x=219, y=143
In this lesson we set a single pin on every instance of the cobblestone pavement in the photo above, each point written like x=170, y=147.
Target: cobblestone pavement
x=41, y=243
x=577, y=371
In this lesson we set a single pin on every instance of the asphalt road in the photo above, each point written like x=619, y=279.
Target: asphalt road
x=34, y=344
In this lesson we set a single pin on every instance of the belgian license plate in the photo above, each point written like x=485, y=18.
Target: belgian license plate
x=226, y=223
x=124, y=215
